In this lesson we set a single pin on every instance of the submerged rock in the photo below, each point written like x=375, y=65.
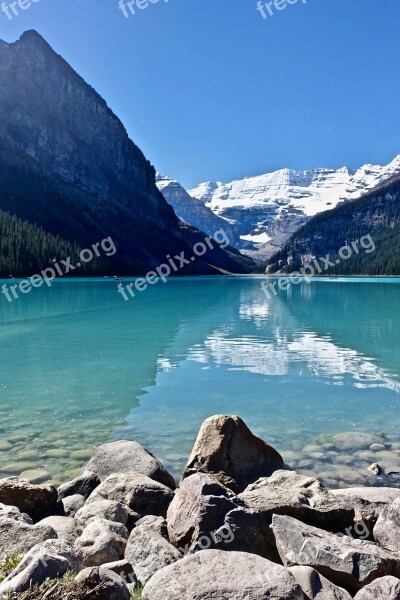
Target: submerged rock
x=227, y=450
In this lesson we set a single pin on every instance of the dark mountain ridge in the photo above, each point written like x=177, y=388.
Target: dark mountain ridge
x=67, y=165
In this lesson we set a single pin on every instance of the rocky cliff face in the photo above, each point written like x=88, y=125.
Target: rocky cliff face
x=68, y=165
x=193, y=211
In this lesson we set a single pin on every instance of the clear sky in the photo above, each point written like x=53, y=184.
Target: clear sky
x=210, y=90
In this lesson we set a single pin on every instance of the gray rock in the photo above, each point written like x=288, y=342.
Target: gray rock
x=71, y=504
x=223, y=576
x=157, y=524
x=54, y=547
x=299, y=496
x=12, y=512
x=66, y=528
x=83, y=485
x=104, y=509
x=387, y=528
x=35, y=573
x=101, y=542
x=126, y=457
x=142, y=494
x=17, y=537
x=38, y=501
x=103, y=583
x=384, y=588
x=376, y=495
x=124, y=569
x=347, y=562
x=358, y=440
x=317, y=587
x=226, y=450
x=204, y=515
x=149, y=552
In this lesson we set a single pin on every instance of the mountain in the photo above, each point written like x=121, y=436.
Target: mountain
x=373, y=219
x=67, y=166
x=193, y=211
x=266, y=210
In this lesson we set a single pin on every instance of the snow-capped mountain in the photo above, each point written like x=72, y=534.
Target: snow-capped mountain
x=193, y=211
x=266, y=210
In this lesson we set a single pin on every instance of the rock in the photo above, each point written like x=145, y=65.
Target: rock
x=375, y=495
x=12, y=512
x=356, y=440
x=204, y=514
x=17, y=537
x=104, y=509
x=227, y=450
x=301, y=497
x=375, y=469
x=126, y=457
x=157, y=524
x=347, y=562
x=387, y=528
x=35, y=573
x=71, y=504
x=104, y=584
x=142, y=494
x=83, y=485
x=124, y=569
x=35, y=475
x=53, y=547
x=384, y=588
x=317, y=587
x=223, y=576
x=102, y=541
x=149, y=552
x=66, y=528
x=38, y=501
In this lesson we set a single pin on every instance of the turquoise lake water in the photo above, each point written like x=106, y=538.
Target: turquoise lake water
x=79, y=367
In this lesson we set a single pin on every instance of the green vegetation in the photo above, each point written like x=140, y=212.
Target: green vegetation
x=8, y=564
x=377, y=214
x=137, y=594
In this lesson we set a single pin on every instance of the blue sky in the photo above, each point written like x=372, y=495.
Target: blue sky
x=210, y=90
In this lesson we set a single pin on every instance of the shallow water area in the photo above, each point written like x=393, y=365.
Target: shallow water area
x=80, y=366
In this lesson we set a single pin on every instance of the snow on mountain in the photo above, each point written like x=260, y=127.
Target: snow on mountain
x=266, y=210
x=193, y=211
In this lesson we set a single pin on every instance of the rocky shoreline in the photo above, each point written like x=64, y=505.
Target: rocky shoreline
x=239, y=526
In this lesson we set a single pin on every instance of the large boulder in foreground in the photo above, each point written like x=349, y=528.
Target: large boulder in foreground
x=385, y=588
x=223, y=576
x=35, y=573
x=38, y=501
x=302, y=497
x=387, y=528
x=317, y=587
x=17, y=537
x=227, y=450
x=206, y=515
x=347, y=562
x=124, y=457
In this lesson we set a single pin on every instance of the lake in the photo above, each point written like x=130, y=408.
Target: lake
x=80, y=366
